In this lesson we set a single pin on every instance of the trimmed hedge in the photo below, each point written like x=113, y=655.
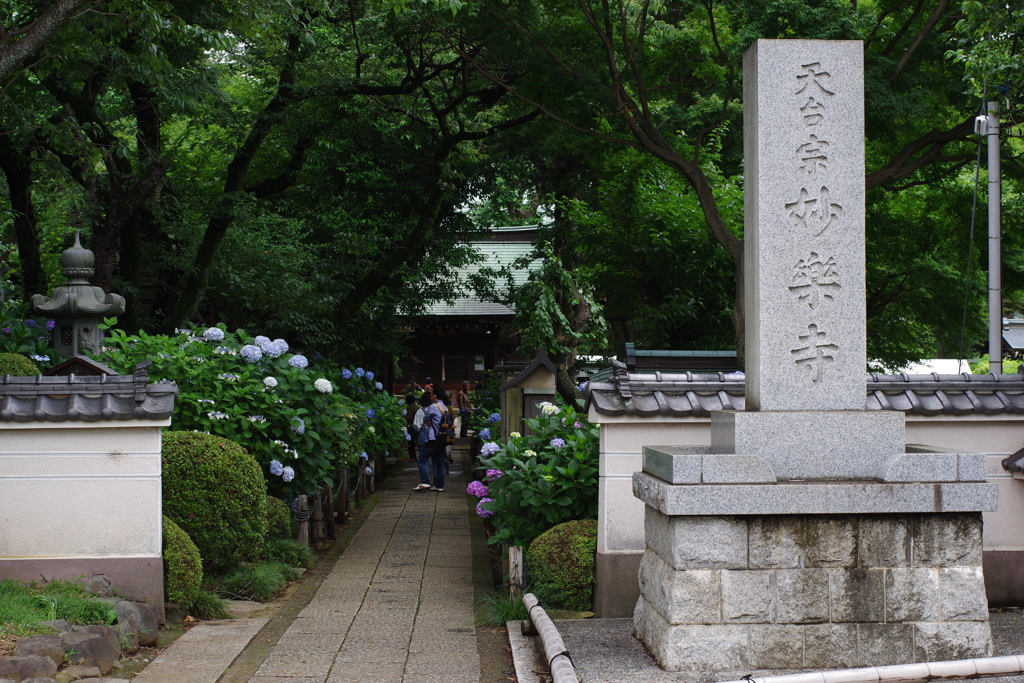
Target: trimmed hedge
x=279, y=519
x=17, y=365
x=560, y=563
x=183, y=567
x=215, y=491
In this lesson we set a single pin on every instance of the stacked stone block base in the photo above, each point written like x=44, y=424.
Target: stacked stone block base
x=811, y=591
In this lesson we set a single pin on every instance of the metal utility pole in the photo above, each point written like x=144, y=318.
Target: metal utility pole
x=989, y=126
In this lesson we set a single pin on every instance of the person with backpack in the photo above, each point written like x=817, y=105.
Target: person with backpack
x=432, y=444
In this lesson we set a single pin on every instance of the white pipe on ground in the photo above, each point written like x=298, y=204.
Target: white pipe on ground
x=559, y=663
x=986, y=667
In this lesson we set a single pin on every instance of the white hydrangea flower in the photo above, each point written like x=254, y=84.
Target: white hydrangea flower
x=548, y=408
x=269, y=382
x=514, y=435
x=323, y=386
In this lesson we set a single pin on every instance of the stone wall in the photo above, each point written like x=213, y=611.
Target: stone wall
x=827, y=591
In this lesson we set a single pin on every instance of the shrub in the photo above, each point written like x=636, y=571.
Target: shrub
x=543, y=478
x=214, y=490
x=183, y=566
x=279, y=519
x=17, y=365
x=561, y=564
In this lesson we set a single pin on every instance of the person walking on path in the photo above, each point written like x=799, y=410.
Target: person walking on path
x=464, y=406
x=432, y=447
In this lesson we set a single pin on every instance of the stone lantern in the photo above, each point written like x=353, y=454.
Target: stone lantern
x=78, y=308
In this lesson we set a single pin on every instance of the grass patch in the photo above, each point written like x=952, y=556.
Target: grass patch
x=290, y=552
x=23, y=606
x=258, y=581
x=209, y=605
x=494, y=609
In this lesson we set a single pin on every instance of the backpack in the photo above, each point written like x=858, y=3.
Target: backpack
x=446, y=429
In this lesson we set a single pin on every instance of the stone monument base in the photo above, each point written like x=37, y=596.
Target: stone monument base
x=811, y=591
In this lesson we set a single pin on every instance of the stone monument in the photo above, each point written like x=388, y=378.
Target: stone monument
x=804, y=535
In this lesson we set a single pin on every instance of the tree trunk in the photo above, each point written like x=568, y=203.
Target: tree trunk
x=18, y=172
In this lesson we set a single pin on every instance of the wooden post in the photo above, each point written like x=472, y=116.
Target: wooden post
x=318, y=520
x=331, y=511
x=346, y=491
x=515, y=571
x=302, y=515
x=359, y=486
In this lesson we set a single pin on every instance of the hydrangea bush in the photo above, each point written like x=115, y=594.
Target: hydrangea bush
x=299, y=420
x=541, y=479
x=25, y=334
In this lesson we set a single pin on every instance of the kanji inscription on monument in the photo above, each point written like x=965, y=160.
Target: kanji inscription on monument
x=804, y=284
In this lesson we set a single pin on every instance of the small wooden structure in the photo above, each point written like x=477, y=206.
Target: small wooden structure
x=521, y=395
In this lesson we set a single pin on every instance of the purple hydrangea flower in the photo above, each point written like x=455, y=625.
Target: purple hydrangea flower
x=360, y=372
x=477, y=489
x=276, y=468
x=287, y=474
x=491, y=475
x=50, y=324
x=251, y=353
x=485, y=434
x=481, y=511
x=577, y=424
x=298, y=361
x=346, y=374
x=494, y=418
x=489, y=449
x=5, y=330
x=298, y=425
x=558, y=443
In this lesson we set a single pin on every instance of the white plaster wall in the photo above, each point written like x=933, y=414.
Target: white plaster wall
x=621, y=515
x=91, y=490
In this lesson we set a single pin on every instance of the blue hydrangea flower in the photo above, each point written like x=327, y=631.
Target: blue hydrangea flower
x=298, y=361
x=360, y=372
x=31, y=323
x=370, y=413
x=369, y=376
x=558, y=443
x=378, y=386
x=485, y=434
x=39, y=359
x=346, y=374
x=489, y=449
x=276, y=468
x=298, y=425
x=275, y=348
x=494, y=418
x=287, y=474
x=50, y=324
x=408, y=437
x=364, y=456
x=582, y=386
x=251, y=353
x=213, y=334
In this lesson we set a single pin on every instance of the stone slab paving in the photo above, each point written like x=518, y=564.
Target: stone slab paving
x=202, y=654
x=398, y=605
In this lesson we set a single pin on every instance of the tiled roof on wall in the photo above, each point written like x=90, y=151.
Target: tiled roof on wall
x=696, y=395
x=86, y=398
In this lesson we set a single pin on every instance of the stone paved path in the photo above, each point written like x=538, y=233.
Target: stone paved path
x=398, y=605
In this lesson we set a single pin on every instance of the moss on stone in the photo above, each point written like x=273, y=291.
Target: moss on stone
x=215, y=491
x=17, y=365
x=560, y=565
x=183, y=566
